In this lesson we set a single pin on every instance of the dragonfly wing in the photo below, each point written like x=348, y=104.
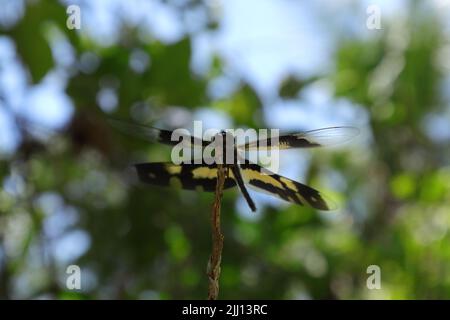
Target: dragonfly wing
x=187, y=176
x=262, y=180
x=309, y=139
x=157, y=135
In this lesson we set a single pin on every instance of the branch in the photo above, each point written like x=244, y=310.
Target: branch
x=213, y=269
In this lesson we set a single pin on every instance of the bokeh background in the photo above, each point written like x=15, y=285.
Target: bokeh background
x=68, y=196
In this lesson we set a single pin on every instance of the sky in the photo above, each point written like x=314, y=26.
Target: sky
x=261, y=41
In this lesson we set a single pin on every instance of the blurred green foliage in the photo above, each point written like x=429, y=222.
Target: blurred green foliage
x=149, y=242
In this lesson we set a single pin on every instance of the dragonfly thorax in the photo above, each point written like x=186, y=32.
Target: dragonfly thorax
x=225, y=148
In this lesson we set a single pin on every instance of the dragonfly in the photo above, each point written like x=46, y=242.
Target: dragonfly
x=241, y=172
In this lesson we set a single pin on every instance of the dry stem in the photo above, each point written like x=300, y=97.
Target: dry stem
x=217, y=237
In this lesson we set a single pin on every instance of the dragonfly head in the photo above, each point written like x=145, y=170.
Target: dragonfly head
x=224, y=136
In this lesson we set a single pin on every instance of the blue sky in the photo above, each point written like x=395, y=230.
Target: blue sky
x=261, y=41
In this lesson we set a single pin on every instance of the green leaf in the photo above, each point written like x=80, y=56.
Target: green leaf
x=29, y=37
x=291, y=86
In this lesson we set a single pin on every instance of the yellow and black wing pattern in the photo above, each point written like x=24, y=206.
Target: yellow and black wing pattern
x=202, y=177
x=284, y=188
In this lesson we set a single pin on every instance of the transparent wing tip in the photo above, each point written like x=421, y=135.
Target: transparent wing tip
x=335, y=200
x=134, y=129
x=330, y=136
